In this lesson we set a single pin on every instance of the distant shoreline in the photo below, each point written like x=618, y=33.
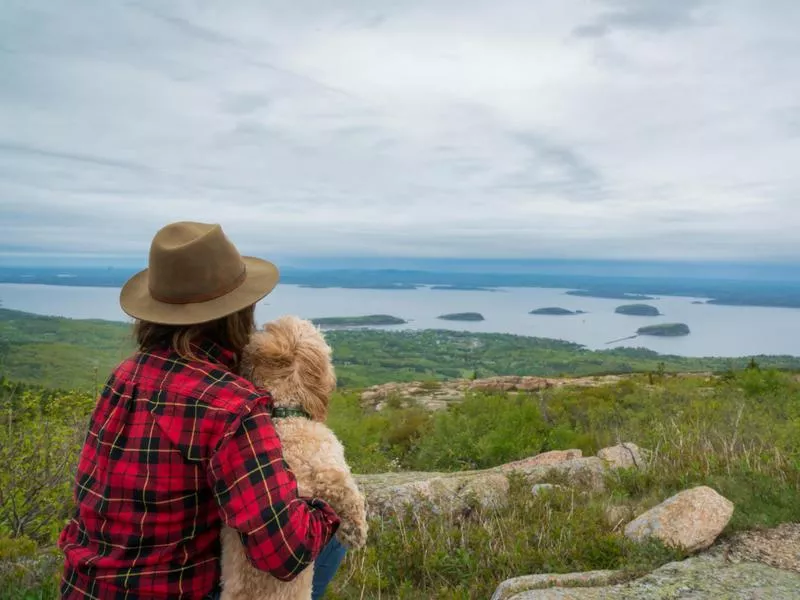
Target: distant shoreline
x=768, y=294
x=504, y=313
x=74, y=348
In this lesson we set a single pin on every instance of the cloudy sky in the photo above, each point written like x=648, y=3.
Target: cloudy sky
x=518, y=128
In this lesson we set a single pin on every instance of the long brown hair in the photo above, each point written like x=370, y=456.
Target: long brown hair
x=231, y=332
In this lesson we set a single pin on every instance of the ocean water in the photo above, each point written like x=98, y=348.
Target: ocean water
x=716, y=330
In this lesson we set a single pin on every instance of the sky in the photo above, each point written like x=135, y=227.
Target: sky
x=614, y=129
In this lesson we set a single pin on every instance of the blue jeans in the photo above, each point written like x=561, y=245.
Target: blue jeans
x=325, y=568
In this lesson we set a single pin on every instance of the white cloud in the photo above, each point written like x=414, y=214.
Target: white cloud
x=615, y=128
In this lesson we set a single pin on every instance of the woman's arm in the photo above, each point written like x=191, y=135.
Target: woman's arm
x=257, y=495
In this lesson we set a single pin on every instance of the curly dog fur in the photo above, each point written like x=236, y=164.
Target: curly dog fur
x=291, y=359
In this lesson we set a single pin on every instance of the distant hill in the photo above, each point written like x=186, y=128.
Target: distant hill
x=782, y=290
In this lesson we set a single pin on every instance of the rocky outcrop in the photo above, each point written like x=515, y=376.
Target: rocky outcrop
x=430, y=395
x=690, y=520
x=441, y=492
x=707, y=576
x=450, y=492
x=545, y=458
x=752, y=564
x=513, y=588
x=622, y=456
x=437, y=395
x=513, y=384
x=743, y=566
x=447, y=492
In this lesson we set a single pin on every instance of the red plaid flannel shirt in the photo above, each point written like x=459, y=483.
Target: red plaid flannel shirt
x=175, y=450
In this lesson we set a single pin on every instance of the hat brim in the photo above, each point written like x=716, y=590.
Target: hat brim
x=135, y=299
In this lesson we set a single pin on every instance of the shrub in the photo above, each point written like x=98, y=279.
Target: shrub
x=737, y=434
x=483, y=431
x=40, y=439
x=26, y=572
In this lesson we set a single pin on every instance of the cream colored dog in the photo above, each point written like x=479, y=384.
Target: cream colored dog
x=291, y=359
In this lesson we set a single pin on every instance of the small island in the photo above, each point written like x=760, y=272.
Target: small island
x=556, y=311
x=465, y=316
x=364, y=321
x=608, y=295
x=665, y=330
x=638, y=310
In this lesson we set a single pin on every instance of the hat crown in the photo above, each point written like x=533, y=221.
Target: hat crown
x=193, y=262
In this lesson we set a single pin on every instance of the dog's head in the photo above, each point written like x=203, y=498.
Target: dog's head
x=291, y=359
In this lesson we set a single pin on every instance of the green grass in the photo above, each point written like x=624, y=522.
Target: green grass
x=423, y=554
x=759, y=408
x=737, y=435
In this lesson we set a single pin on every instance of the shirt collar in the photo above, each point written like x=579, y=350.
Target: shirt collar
x=216, y=354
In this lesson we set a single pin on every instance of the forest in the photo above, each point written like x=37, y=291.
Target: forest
x=78, y=354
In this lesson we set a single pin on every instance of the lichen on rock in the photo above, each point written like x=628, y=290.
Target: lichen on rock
x=706, y=576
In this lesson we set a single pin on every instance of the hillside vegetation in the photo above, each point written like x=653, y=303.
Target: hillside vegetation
x=78, y=354
x=59, y=352
x=737, y=433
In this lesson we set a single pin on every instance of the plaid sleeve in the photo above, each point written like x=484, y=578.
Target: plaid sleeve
x=257, y=496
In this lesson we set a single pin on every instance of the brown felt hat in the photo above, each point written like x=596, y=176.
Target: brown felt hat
x=195, y=275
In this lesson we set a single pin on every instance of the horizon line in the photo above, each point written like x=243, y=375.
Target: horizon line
x=8, y=257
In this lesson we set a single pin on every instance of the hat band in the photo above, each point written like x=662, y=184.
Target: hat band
x=228, y=288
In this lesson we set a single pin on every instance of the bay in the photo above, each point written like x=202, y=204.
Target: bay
x=716, y=330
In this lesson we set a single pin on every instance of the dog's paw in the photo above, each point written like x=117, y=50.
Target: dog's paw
x=353, y=534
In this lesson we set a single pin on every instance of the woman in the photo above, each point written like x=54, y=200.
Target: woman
x=179, y=444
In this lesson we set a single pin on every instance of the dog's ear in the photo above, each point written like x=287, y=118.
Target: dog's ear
x=266, y=358
x=291, y=359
